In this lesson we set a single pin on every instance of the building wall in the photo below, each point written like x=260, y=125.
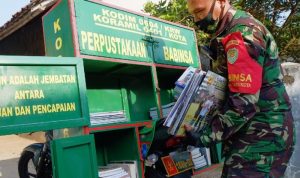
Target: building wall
x=27, y=41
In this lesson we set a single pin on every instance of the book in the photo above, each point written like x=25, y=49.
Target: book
x=177, y=162
x=193, y=106
x=200, y=157
x=130, y=166
x=192, y=87
x=112, y=172
x=176, y=116
x=100, y=118
x=165, y=111
x=180, y=92
x=206, y=152
x=176, y=108
x=211, y=96
x=177, y=91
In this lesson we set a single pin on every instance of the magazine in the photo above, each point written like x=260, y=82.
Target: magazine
x=130, y=166
x=184, y=102
x=186, y=116
x=201, y=98
x=101, y=118
x=112, y=172
x=211, y=95
x=178, y=105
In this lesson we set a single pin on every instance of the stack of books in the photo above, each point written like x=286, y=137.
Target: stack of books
x=165, y=110
x=111, y=172
x=119, y=169
x=200, y=157
x=101, y=118
x=201, y=98
x=130, y=166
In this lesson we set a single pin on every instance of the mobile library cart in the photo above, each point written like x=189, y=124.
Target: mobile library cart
x=131, y=62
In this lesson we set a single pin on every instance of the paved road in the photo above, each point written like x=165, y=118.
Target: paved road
x=11, y=147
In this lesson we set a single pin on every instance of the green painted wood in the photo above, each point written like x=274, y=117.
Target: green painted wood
x=41, y=93
x=117, y=145
x=104, y=94
x=99, y=34
x=57, y=31
x=129, y=92
x=166, y=80
x=139, y=96
x=114, y=33
x=74, y=157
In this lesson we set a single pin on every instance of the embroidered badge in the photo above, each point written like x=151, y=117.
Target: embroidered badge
x=232, y=55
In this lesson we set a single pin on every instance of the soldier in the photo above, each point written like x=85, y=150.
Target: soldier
x=256, y=125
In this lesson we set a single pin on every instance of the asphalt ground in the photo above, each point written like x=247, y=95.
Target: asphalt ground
x=11, y=147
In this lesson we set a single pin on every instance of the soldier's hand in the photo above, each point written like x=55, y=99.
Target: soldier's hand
x=192, y=137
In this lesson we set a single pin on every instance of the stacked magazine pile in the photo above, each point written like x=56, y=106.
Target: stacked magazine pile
x=201, y=98
x=200, y=157
x=113, y=172
x=165, y=110
x=130, y=166
x=101, y=118
x=119, y=169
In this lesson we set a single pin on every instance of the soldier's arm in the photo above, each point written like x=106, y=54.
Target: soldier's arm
x=241, y=102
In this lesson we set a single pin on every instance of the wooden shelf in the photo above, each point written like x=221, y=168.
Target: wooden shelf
x=99, y=128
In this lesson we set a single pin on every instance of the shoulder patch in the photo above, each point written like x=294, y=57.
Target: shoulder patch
x=232, y=55
x=244, y=73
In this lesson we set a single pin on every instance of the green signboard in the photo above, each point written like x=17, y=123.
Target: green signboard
x=41, y=93
x=113, y=33
x=57, y=31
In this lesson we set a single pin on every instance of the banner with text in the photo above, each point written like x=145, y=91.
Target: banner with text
x=114, y=33
x=36, y=97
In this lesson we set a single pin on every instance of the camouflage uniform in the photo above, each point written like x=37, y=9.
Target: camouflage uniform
x=256, y=128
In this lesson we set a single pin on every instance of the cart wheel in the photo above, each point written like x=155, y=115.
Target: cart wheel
x=26, y=167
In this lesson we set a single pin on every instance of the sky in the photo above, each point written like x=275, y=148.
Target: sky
x=10, y=7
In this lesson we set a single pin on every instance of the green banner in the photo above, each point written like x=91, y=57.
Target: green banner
x=41, y=96
x=114, y=33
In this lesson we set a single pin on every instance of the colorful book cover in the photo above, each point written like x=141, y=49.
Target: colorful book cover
x=185, y=77
x=211, y=95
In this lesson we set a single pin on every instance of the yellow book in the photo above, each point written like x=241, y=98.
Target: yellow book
x=190, y=118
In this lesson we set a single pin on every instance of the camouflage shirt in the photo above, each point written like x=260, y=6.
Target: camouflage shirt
x=251, y=122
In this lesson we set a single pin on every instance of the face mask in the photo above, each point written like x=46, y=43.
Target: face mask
x=208, y=24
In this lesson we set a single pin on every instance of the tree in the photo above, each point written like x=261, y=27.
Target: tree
x=174, y=11
x=281, y=17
